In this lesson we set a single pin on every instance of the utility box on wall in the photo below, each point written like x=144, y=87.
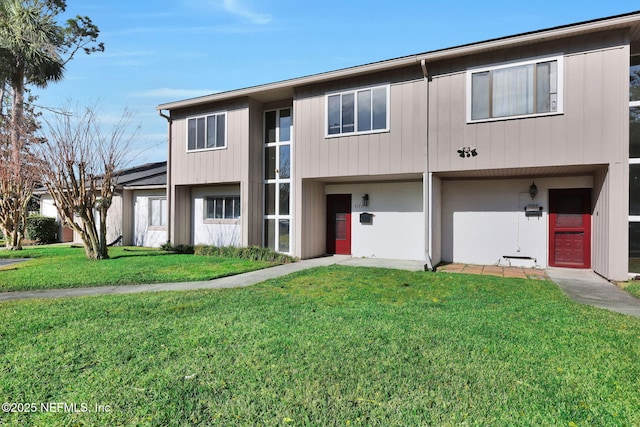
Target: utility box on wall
x=533, y=210
x=366, y=218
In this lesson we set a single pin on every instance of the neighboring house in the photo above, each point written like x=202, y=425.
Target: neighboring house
x=139, y=208
x=508, y=151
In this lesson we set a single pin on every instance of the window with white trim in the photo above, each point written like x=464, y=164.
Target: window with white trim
x=227, y=207
x=207, y=132
x=358, y=111
x=528, y=88
x=158, y=212
x=634, y=164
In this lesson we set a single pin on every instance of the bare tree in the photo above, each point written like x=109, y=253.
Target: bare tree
x=79, y=164
x=18, y=173
x=34, y=48
x=17, y=180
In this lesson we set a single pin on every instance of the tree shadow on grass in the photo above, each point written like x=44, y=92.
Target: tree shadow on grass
x=142, y=252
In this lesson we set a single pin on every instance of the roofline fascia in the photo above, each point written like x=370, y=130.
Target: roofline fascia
x=145, y=187
x=437, y=55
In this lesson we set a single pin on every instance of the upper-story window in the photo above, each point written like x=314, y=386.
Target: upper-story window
x=207, y=132
x=363, y=110
x=520, y=89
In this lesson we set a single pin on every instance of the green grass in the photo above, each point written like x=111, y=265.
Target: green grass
x=632, y=287
x=329, y=346
x=67, y=267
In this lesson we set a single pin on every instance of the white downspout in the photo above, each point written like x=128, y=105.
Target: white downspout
x=168, y=190
x=427, y=199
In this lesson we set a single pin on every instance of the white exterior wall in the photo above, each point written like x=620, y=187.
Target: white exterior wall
x=436, y=220
x=47, y=208
x=143, y=233
x=219, y=232
x=484, y=220
x=398, y=225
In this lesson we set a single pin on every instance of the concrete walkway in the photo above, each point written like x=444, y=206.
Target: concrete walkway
x=239, y=280
x=8, y=261
x=583, y=286
x=586, y=287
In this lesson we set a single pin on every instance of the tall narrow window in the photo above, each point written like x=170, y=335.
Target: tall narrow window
x=358, y=111
x=278, y=135
x=524, y=89
x=634, y=164
x=158, y=212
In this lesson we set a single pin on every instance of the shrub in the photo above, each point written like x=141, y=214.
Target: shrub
x=179, y=249
x=42, y=229
x=254, y=253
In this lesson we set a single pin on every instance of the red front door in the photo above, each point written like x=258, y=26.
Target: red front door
x=339, y=224
x=570, y=228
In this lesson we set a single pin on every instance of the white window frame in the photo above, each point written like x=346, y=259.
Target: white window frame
x=386, y=87
x=163, y=212
x=560, y=87
x=224, y=210
x=206, y=116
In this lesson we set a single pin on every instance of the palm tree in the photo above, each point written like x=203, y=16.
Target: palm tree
x=28, y=55
x=29, y=45
x=32, y=46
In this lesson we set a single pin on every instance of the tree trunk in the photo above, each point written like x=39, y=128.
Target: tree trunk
x=14, y=239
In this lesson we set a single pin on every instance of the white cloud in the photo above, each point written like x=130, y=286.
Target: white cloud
x=166, y=92
x=237, y=7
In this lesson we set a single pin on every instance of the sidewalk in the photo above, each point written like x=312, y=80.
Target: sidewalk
x=236, y=281
x=583, y=286
x=586, y=287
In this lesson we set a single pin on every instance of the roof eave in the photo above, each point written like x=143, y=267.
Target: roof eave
x=602, y=24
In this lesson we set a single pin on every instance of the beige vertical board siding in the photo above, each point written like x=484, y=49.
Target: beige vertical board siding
x=208, y=166
x=128, y=219
x=251, y=187
x=182, y=214
x=419, y=109
x=575, y=137
x=618, y=238
x=310, y=211
x=542, y=148
x=600, y=223
x=382, y=153
x=436, y=220
x=610, y=236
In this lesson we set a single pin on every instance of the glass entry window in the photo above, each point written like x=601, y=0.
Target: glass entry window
x=634, y=165
x=277, y=179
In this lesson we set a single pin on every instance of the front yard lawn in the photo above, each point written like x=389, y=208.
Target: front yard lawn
x=329, y=346
x=67, y=267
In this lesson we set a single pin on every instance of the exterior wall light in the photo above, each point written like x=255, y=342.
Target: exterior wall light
x=533, y=190
x=365, y=200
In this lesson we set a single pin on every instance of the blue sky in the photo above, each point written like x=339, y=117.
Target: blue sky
x=167, y=50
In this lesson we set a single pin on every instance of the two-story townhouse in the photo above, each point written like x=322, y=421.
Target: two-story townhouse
x=514, y=150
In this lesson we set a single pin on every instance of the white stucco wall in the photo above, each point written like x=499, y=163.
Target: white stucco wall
x=436, y=220
x=143, y=233
x=220, y=232
x=484, y=220
x=398, y=225
x=114, y=217
x=47, y=208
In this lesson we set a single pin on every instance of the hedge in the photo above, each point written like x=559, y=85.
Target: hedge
x=42, y=229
